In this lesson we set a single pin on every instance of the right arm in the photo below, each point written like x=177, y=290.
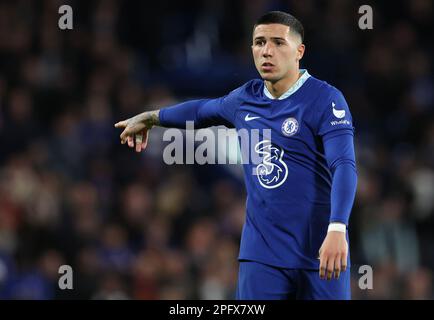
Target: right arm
x=203, y=113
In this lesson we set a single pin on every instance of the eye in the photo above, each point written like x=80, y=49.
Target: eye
x=259, y=42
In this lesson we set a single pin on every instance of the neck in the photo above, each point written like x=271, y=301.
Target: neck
x=277, y=88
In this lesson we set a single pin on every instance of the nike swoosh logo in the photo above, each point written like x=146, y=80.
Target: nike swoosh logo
x=338, y=113
x=249, y=118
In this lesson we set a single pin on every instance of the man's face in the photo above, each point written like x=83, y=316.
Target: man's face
x=276, y=51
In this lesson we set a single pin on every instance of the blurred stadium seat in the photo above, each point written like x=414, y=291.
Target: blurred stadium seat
x=134, y=228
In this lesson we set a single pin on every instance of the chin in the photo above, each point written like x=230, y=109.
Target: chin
x=270, y=77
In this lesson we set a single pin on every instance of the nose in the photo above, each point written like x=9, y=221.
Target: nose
x=267, y=50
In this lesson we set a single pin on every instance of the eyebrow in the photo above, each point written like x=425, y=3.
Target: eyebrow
x=273, y=38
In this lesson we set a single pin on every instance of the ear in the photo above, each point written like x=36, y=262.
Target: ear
x=300, y=51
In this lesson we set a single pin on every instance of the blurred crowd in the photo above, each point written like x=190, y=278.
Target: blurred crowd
x=133, y=227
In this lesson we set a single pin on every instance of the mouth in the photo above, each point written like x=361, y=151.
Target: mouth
x=267, y=66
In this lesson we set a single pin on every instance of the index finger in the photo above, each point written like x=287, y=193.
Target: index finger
x=121, y=124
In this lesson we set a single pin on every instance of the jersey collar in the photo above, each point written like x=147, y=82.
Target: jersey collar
x=305, y=75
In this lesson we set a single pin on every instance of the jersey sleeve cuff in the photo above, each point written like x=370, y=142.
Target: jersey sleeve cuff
x=337, y=226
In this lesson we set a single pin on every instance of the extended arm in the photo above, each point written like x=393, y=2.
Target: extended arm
x=203, y=113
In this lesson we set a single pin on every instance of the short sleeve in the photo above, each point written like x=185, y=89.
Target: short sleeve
x=334, y=114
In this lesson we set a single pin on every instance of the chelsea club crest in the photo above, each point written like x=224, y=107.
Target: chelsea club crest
x=290, y=127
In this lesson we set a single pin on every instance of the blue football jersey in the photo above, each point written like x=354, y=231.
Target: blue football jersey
x=288, y=205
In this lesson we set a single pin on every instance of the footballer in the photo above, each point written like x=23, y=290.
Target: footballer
x=294, y=242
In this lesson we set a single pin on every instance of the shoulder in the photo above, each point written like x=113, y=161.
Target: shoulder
x=251, y=88
x=324, y=88
x=234, y=99
x=327, y=94
x=331, y=109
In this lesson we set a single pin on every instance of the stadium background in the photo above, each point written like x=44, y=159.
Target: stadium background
x=132, y=227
